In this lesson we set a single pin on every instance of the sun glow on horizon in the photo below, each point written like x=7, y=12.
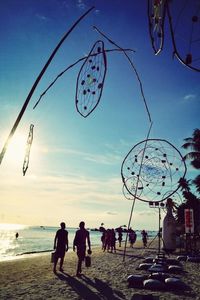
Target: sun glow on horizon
x=11, y=226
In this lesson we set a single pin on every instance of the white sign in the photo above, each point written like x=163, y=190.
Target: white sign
x=189, y=221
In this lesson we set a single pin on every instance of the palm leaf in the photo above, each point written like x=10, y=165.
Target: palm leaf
x=196, y=181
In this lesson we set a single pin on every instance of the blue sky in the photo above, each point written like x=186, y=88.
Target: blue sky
x=75, y=162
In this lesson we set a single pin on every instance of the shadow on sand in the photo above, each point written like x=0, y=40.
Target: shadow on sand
x=80, y=286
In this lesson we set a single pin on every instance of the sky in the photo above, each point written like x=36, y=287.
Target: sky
x=74, y=172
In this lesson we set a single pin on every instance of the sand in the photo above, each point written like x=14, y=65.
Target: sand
x=32, y=278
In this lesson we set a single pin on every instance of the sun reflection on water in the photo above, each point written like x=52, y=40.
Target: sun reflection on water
x=8, y=241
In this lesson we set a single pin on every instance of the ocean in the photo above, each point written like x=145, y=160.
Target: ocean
x=34, y=240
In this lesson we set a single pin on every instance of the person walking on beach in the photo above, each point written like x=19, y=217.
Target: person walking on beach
x=120, y=237
x=144, y=238
x=79, y=244
x=132, y=237
x=61, y=246
x=113, y=240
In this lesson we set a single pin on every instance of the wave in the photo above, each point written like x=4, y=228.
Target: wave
x=34, y=252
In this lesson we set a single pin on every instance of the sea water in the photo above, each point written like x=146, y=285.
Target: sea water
x=38, y=239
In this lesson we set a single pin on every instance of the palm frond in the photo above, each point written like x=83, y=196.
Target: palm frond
x=188, y=145
x=192, y=156
x=196, y=181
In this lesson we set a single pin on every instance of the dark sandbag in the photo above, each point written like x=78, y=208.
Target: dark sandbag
x=144, y=266
x=157, y=268
x=160, y=261
x=153, y=284
x=175, y=283
x=175, y=269
x=159, y=276
x=182, y=258
x=136, y=280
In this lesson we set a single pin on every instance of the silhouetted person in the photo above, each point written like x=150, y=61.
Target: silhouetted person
x=144, y=238
x=81, y=236
x=16, y=235
x=103, y=239
x=113, y=241
x=132, y=237
x=120, y=237
x=61, y=246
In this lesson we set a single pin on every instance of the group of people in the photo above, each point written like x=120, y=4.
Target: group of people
x=82, y=237
x=61, y=245
x=109, y=238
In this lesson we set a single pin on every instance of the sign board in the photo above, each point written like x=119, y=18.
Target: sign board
x=189, y=221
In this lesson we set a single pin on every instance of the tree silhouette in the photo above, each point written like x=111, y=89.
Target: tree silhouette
x=190, y=199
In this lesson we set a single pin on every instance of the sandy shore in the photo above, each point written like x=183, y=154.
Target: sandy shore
x=32, y=278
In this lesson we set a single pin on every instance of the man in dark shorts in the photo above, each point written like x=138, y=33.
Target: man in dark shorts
x=61, y=246
x=80, y=245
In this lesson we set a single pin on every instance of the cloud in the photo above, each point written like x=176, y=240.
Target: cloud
x=41, y=17
x=81, y=5
x=106, y=159
x=111, y=213
x=189, y=97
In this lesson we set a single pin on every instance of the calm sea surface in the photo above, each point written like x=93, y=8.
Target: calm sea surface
x=37, y=239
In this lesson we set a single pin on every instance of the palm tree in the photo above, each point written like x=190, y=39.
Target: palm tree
x=184, y=184
x=191, y=200
x=196, y=181
x=193, y=143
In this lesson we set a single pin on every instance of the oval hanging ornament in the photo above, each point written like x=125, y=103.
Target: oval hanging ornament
x=151, y=169
x=28, y=149
x=156, y=18
x=90, y=80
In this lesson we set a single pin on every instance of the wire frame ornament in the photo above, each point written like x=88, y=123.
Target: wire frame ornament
x=185, y=32
x=131, y=182
x=28, y=148
x=90, y=80
x=156, y=18
x=151, y=169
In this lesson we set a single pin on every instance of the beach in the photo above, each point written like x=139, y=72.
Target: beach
x=32, y=277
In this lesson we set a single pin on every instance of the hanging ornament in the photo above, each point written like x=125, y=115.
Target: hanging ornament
x=156, y=18
x=151, y=169
x=28, y=148
x=90, y=80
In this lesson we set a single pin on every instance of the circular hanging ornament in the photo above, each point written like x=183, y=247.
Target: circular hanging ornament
x=151, y=169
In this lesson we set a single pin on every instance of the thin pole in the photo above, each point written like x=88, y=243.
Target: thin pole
x=133, y=204
x=159, y=232
x=36, y=83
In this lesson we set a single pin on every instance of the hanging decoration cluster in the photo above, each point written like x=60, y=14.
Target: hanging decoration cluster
x=184, y=30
